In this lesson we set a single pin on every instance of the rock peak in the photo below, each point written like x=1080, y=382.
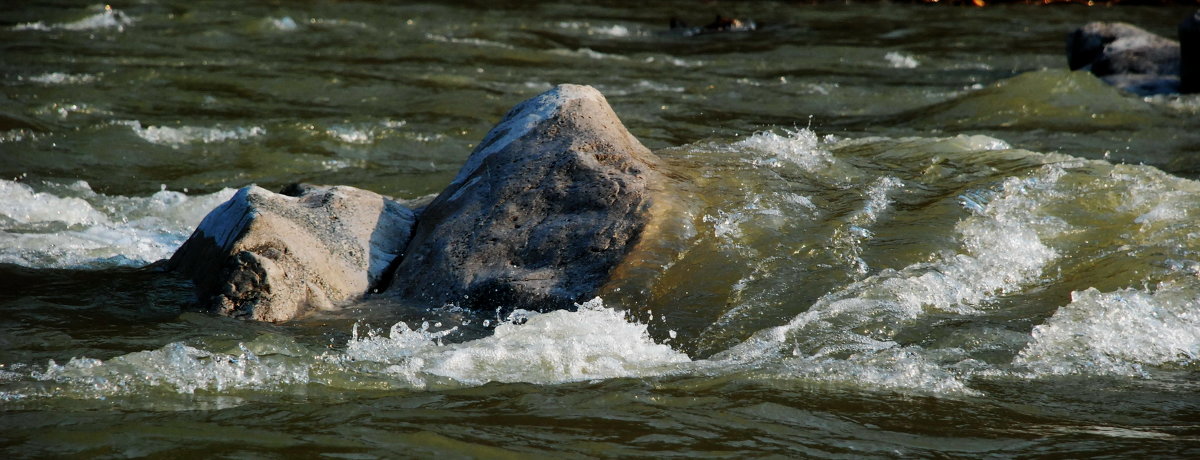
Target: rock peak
x=550, y=202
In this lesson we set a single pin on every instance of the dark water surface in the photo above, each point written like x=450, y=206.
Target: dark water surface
x=914, y=233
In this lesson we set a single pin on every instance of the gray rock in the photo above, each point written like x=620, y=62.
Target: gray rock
x=549, y=203
x=1189, y=50
x=1125, y=56
x=272, y=257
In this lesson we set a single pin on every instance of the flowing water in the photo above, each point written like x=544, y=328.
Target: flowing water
x=913, y=234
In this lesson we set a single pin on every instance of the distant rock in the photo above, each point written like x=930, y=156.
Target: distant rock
x=718, y=25
x=550, y=202
x=272, y=257
x=1136, y=60
x=1125, y=56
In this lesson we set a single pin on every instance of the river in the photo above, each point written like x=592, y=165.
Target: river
x=915, y=233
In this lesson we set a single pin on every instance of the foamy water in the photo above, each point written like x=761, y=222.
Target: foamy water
x=1122, y=332
x=591, y=343
x=177, y=136
x=1004, y=243
x=108, y=18
x=74, y=227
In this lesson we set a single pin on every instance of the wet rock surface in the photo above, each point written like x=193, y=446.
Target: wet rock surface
x=272, y=257
x=554, y=197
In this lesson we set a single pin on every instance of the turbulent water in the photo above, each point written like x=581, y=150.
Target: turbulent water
x=912, y=233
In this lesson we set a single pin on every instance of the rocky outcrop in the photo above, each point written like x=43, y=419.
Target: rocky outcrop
x=1136, y=60
x=272, y=257
x=551, y=202
x=552, y=199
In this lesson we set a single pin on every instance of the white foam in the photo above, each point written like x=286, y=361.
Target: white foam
x=176, y=366
x=74, y=227
x=672, y=60
x=351, y=135
x=593, y=342
x=60, y=78
x=612, y=30
x=1117, y=332
x=109, y=18
x=899, y=60
x=1001, y=250
x=183, y=135
x=21, y=206
x=800, y=147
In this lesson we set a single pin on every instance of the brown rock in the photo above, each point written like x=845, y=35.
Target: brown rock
x=552, y=200
x=271, y=257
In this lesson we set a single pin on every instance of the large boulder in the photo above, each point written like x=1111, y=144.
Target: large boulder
x=272, y=257
x=549, y=203
x=1125, y=56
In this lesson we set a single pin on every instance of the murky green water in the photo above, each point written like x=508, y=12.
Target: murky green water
x=913, y=233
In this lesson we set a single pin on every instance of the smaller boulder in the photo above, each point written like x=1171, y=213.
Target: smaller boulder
x=272, y=257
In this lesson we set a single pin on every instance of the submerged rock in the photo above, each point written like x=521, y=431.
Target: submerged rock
x=548, y=204
x=272, y=257
x=1138, y=61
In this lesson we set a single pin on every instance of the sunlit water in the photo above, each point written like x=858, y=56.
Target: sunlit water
x=909, y=232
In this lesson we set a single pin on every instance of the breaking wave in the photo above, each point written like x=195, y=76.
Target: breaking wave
x=72, y=226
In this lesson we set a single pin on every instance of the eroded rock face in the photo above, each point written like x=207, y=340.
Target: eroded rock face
x=272, y=257
x=550, y=202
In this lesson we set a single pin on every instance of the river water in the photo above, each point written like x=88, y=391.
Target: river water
x=914, y=233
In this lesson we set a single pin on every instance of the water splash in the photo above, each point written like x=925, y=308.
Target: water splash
x=1118, y=333
x=109, y=18
x=1001, y=250
x=176, y=137
x=591, y=343
x=71, y=226
x=849, y=237
x=899, y=60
